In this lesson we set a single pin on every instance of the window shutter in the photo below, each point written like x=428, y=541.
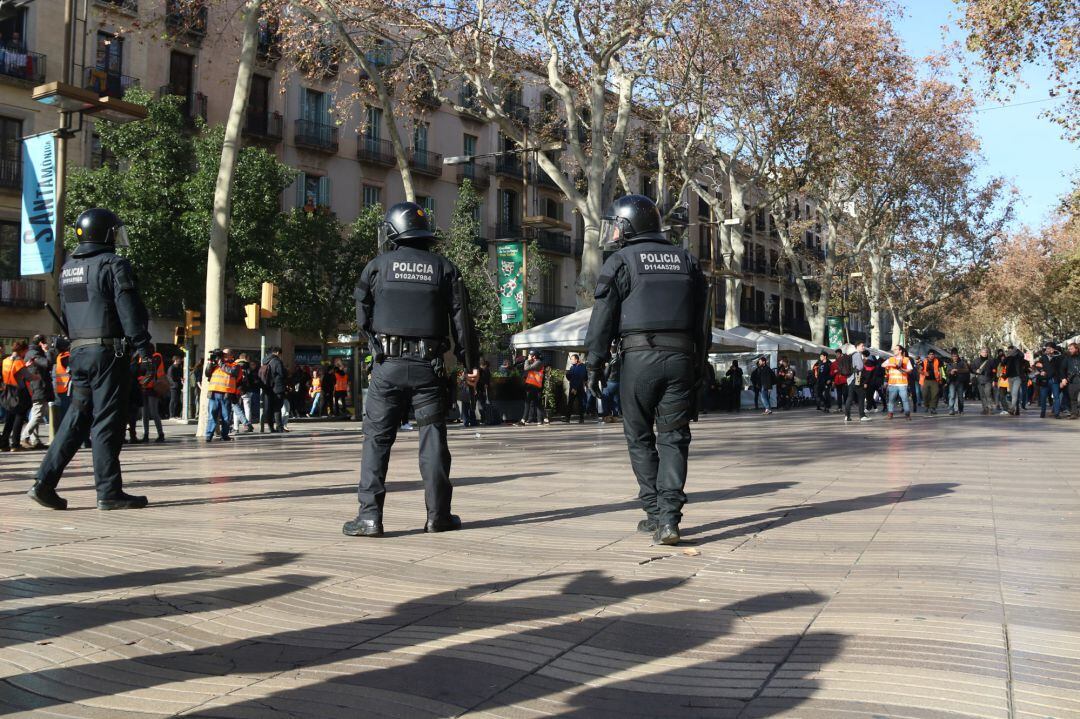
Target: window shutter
x=301, y=183
x=324, y=191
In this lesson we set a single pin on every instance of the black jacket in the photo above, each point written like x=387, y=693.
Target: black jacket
x=279, y=377
x=1070, y=368
x=1014, y=364
x=983, y=368
x=37, y=374
x=763, y=377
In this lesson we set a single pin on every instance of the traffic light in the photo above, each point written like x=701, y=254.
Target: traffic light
x=192, y=322
x=251, y=316
x=269, y=299
x=179, y=335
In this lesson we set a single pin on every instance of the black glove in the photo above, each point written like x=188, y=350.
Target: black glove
x=594, y=383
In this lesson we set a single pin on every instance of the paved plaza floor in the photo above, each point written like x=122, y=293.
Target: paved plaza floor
x=924, y=569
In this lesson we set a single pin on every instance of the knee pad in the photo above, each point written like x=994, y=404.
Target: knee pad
x=433, y=413
x=677, y=417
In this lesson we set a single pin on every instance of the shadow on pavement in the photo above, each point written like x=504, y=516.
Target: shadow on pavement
x=595, y=655
x=781, y=516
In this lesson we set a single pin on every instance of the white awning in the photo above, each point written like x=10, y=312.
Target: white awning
x=568, y=333
x=766, y=341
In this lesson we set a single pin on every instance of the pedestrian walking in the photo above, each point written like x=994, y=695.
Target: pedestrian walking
x=38, y=377
x=274, y=378
x=576, y=379
x=16, y=397
x=106, y=318
x=410, y=303
x=898, y=369
x=652, y=296
x=151, y=401
x=1070, y=379
x=821, y=373
x=764, y=379
x=223, y=377
x=931, y=372
x=534, y=370
x=175, y=374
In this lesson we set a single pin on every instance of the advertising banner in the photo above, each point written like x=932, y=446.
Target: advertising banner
x=39, y=229
x=836, y=331
x=509, y=257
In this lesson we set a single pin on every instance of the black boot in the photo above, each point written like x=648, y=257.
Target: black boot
x=362, y=528
x=449, y=524
x=47, y=498
x=124, y=501
x=667, y=534
x=648, y=525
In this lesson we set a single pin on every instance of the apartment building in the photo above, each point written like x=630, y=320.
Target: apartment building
x=344, y=159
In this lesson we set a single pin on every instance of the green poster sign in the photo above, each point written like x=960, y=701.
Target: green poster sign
x=508, y=256
x=836, y=331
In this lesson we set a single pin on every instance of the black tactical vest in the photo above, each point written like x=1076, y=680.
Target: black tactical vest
x=411, y=295
x=661, y=295
x=87, y=289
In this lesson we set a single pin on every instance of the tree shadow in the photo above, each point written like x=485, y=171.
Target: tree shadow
x=463, y=671
x=550, y=515
x=781, y=516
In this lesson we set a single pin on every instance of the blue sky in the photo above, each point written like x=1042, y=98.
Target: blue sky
x=1017, y=143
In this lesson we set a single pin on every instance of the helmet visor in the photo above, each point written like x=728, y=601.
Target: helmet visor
x=120, y=236
x=386, y=231
x=611, y=234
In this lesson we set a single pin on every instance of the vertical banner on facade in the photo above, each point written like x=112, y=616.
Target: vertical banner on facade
x=508, y=256
x=836, y=331
x=39, y=222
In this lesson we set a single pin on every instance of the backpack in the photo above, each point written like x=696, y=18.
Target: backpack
x=844, y=366
x=264, y=376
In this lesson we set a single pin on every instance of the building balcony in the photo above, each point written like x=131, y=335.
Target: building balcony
x=107, y=83
x=20, y=66
x=506, y=231
x=129, y=6
x=517, y=112
x=548, y=124
x=509, y=166
x=471, y=105
x=542, y=179
x=545, y=312
x=263, y=126
x=22, y=293
x=425, y=162
x=376, y=152
x=429, y=100
x=555, y=242
x=268, y=50
x=479, y=175
x=11, y=174
x=316, y=136
x=190, y=21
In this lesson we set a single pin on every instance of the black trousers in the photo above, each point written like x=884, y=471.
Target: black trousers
x=273, y=403
x=99, y=398
x=655, y=387
x=395, y=386
x=856, y=394
x=575, y=398
x=176, y=402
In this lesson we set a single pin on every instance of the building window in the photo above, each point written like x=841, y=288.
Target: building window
x=314, y=192
x=9, y=251
x=468, y=144
x=372, y=195
x=428, y=203
x=10, y=153
x=509, y=212
x=648, y=186
x=553, y=208
x=420, y=137
x=373, y=123
x=551, y=285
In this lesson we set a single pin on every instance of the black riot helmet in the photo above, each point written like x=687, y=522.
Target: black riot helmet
x=99, y=226
x=631, y=218
x=405, y=221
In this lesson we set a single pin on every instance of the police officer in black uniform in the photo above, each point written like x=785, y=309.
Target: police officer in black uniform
x=106, y=320
x=409, y=302
x=652, y=296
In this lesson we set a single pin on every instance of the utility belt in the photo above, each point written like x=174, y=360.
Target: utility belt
x=411, y=347
x=119, y=345
x=674, y=341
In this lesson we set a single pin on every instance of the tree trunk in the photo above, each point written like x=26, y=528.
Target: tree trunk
x=873, y=299
x=219, y=228
x=592, y=257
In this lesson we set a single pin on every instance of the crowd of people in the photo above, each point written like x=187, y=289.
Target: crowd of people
x=1006, y=381
x=36, y=377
